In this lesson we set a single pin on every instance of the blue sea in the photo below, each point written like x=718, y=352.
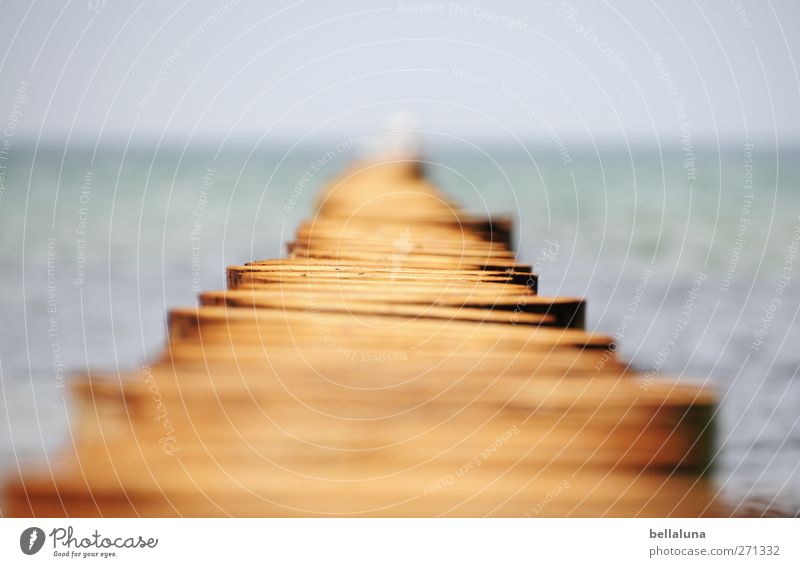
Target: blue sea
x=689, y=261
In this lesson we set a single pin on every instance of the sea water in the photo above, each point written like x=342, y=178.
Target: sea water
x=689, y=262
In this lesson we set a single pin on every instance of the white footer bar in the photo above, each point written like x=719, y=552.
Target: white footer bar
x=406, y=542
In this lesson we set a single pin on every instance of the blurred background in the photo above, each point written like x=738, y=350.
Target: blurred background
x=649, y=153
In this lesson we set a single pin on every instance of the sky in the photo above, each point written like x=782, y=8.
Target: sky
x=549, y=72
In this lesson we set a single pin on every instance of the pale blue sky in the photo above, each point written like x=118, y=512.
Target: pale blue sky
x=537, y=71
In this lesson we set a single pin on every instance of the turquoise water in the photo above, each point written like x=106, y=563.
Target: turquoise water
x=691, y=266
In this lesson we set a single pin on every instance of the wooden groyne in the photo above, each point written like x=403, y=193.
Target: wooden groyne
x=399, y=362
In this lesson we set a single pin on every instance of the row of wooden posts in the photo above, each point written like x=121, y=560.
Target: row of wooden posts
x=399, y=362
